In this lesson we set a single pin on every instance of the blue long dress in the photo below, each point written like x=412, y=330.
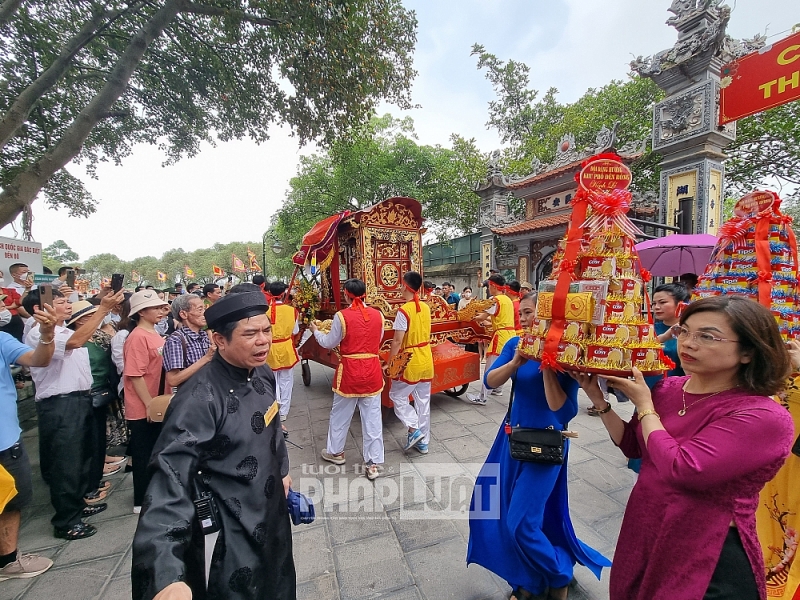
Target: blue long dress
x=519, y=523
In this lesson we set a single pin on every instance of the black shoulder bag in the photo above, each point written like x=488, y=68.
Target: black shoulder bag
x=530, y=444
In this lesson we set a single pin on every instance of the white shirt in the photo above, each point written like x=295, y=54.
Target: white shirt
x=117, y=356
x=334, y=338
x=400, y=322
x=29, y=322
x=68, y=371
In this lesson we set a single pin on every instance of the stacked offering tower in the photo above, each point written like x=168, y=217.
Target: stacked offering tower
x=589, y=314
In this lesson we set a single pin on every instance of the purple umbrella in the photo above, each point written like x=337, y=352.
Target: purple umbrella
x=674, y=255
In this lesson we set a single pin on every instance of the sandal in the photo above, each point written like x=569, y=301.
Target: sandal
x=110, y=470
x=95, y=496
x=115, y=460
x=521, y=594
x=105, y=486
x=90, y=511
x=593, y=412
x=285, y=432
x=78, y=531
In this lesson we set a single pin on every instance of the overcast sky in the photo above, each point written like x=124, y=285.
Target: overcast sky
x=228, y=193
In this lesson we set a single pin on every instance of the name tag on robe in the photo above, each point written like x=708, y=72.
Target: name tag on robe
x=271, y=412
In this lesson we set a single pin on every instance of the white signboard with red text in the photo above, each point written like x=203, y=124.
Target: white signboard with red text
x=19, y=251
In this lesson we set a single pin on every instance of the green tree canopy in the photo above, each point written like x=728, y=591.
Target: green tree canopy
x=532, y=127
x=58, y=254
x=766, y=151
x=375, y=162
x=86, y=80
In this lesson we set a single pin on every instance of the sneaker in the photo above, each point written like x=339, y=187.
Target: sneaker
x=476, y=399
x=337, y=459
x=137, y=510
x=414, y=438
x=422, y=448
x=283, y=417
x=372, y=472
x=25, y=567
x=497, y=392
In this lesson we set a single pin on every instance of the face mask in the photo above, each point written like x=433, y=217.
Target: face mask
x=107, y=319
x=114, y=317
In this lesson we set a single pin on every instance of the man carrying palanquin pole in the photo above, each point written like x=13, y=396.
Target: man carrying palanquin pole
x=412, y=333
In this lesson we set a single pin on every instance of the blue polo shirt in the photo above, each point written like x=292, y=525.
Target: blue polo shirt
x=10, y=351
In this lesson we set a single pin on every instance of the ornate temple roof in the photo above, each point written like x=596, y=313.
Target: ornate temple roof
x=535, y=224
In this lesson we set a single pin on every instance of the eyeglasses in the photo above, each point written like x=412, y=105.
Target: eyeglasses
x=703, y=338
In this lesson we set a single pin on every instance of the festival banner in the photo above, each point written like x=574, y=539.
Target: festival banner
x=218, y=272
x=187, y=271
x=761, y=80
x=162, y=276
x=252, y=260
x=238, y=265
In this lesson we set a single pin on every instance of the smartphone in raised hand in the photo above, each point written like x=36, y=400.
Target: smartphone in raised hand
x=71, y=278
x=116, y=282
x=45, y=295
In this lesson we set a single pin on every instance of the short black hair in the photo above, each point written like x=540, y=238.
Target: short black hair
x=209, y=287
x=413, y=280
x=514, y=286
x=355, y=287
x=62, y=270
x=47, y=271
x=447, y=283
x=465, y=289
x=15, y=267
x=178, y=285
x=498, y=280
x=190, y=286
x=149, y=287
x=32, y=299
x=277, y=288
x=259, y=279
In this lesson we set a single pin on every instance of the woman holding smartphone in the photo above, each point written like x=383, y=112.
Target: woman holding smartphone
x=142, y=379
x=708, y=442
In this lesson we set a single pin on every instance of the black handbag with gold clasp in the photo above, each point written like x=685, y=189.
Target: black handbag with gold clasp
x=531, y=444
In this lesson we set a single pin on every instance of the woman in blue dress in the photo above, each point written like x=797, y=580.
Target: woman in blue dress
x=667, y=299
x=520, y=527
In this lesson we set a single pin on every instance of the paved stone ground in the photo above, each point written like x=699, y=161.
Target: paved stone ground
x=402, y=538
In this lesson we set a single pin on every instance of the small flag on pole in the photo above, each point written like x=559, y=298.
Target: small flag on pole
x=162, y=276
x=238, y=265
x=252, y=260
x=218, y=272
x=188, y=271
x=135, y=275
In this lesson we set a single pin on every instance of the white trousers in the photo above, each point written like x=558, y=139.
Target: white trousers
x=371, y=426
x=419, y=415
x=284, y=380
x=490, y=358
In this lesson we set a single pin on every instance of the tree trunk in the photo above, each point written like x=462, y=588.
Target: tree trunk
x=23, y=189
x=7, y=10
x=19, y=111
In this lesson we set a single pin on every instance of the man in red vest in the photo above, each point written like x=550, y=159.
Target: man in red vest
x=358, y=331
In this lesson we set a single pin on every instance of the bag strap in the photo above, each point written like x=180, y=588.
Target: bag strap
x=185, y=349
x=511, y=400
x=162, y=382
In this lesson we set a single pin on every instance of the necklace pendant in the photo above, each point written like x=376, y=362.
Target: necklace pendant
x=681, y=412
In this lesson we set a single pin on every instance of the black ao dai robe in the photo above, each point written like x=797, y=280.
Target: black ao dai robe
x=215, y=425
